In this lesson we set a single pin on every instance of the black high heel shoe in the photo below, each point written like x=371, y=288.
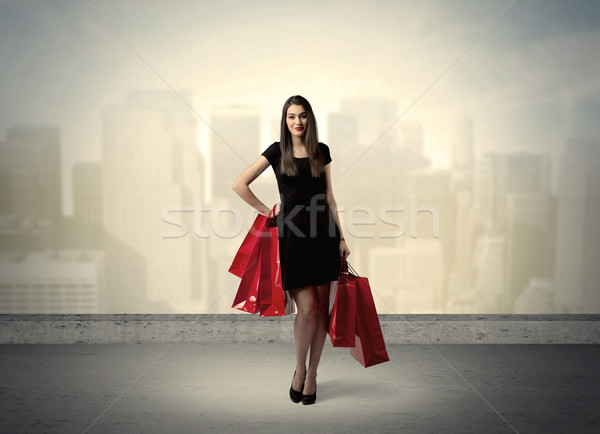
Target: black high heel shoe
x=296, y=396
x=309, y=399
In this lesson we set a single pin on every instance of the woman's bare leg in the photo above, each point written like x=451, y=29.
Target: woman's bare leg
x=303, y=329
x=319, y=336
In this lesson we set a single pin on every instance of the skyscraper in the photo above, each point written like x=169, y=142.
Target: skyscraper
x=578, y=233
x=30, y=165
x=151, y=177
x=234, y=142
x=463, y=153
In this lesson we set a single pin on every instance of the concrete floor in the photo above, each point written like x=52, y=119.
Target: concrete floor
x=235, y=388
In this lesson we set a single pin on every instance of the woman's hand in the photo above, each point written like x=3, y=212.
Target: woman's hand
x=344, y=250
x=268, y=213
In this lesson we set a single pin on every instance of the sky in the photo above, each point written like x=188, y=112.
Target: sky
x=529, y=78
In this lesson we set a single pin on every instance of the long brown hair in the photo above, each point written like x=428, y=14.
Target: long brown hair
x=311, y=140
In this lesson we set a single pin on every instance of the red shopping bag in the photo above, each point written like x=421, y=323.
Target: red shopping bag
x=272, y=302
x=257, y=263
x=246, y=264
x=342, y=309
x=246, y=298
x=250, y=243
x=370, y=346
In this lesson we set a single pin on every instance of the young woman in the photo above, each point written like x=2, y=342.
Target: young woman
x=311, y=243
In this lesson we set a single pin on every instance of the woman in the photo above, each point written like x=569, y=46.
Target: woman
x=311, y=243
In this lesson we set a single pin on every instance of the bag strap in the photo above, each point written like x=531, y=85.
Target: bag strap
x=352, y=270
x=343, y=266
x=347, y=267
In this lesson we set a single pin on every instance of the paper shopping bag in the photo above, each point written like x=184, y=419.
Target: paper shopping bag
x=342, y=309
x=246, y=298
x=246, y=264
x=250, y=243
x=261, y=289
x=272, y=301
x=369, y=346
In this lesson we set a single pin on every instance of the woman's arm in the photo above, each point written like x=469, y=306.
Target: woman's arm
x=241, y=183
x=330, y=199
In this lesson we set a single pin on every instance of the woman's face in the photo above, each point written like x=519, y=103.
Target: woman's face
x=296, y=120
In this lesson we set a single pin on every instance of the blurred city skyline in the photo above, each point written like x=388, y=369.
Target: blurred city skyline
x=119, y=119
x=485, y=235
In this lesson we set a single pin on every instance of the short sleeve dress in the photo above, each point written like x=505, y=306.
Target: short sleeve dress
x=309, y=238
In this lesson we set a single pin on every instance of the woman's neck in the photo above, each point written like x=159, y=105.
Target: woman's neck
x=298, y=142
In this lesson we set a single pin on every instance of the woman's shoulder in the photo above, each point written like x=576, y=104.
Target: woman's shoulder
x=272, y=152
x=324, y=148
x=273, y=147
x=326, y=152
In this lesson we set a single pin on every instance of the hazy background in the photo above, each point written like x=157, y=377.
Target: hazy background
x=464, y=136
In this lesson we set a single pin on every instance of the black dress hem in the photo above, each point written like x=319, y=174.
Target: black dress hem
x=311, y=284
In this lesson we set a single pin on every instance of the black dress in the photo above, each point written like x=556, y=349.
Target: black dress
x=309, y=238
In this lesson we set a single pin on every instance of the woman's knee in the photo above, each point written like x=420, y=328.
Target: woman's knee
x=305, y=302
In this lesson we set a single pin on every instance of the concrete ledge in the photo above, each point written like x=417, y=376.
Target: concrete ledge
x=233, y=328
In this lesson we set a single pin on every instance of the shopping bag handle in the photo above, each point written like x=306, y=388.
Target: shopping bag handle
x=344, y=265
x=272, y=212
x=272, y=218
